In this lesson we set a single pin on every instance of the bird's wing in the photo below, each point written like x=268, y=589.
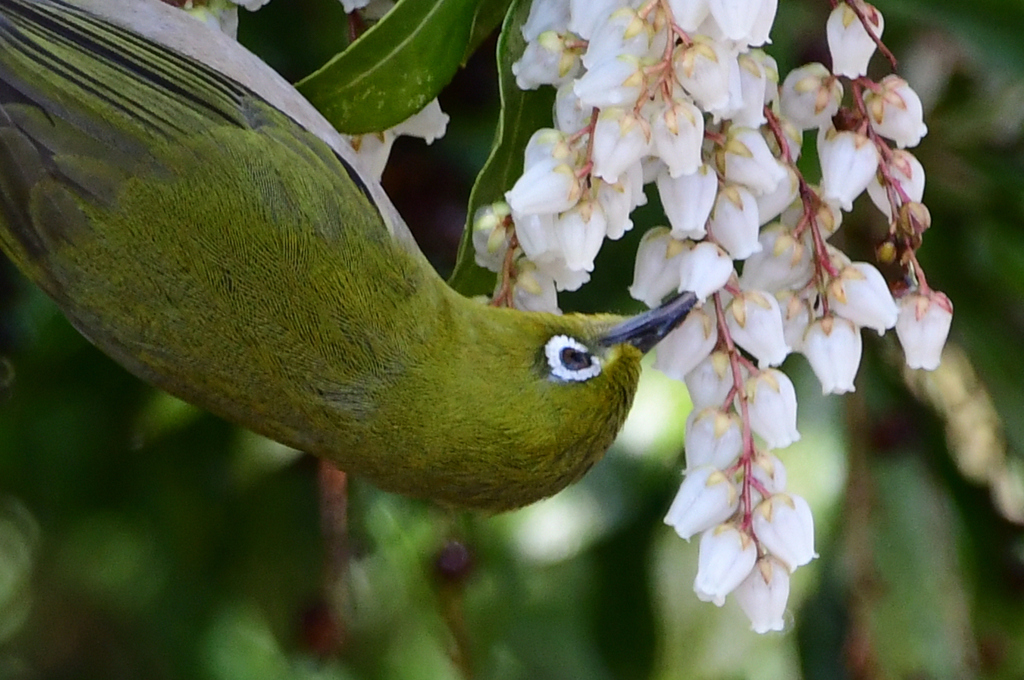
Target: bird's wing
x=146, y=62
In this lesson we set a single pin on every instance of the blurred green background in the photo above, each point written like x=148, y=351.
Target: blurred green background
x=142, y=538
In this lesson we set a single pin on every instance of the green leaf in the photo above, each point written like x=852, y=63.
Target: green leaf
x=522, y=113
x=395, y=68
x=489, y=14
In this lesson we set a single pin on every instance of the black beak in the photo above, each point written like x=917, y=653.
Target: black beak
x=646, y=330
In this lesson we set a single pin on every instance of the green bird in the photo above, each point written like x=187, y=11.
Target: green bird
x=198, y=221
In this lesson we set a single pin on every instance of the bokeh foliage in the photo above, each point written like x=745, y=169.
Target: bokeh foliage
x=140, y=537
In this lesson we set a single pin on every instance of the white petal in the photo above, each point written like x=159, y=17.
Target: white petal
x=713, y=437
x=710, y=382
x=810, y=96
x=848, y=163
x=895, y=112
x=734, y=222
x=907, y=172
x=782, y=262
x=861, y=295
x=678, y=134
x=704, y=269
x=656, y=272
x=620, y=140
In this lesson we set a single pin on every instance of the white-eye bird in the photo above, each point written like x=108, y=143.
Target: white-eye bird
x=197, y=220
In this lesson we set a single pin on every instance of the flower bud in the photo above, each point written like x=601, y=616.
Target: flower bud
x=581, y=231
x=725, y=558
x=763, y=595
x=922, y=328
x=785, y=528
x=688, y=201
x=713, y=437
x=534, y=290
x=832, y=345
x=771, y=204
x=772, y=408
x=705, y=498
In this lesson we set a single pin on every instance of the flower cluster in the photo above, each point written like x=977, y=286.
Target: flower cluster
x=678, y=93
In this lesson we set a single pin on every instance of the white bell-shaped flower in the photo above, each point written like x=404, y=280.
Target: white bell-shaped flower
x=617, y=81
x=734, y=222
x=796, y=317
x=656, y=273
x=849, y=161
x=771, y=402
x=754, y=319
x=705, y=499
x=678, y=133
x=714, y=437
x=763, y=595
x=908, y=172
x=784, y=261
x=736, y=17
x=690, y=343
x=581, y=231
x=710, y=382
x=546, y=61
x=620, y=140
x=688, y=200
x=534, y=290
x=703, y=69
x=895, y=111
x=749, y=162
x=546, y=16
x=704, y=269
x=428, y=124
x=689, y=14
x=849, y=42
x=923, y=326
x=549, y=186
x=724, y=559
x=624, y=32
x=833, y=346
x=733, y=103
x=810, y=96
x=861, y=295
x=616, y=199
x=785, y=528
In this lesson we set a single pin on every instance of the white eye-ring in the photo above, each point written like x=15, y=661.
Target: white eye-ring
x=570, y=360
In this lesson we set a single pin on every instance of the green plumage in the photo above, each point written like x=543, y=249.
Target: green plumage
x=216, y=248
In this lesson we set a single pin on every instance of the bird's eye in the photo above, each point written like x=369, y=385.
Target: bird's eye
x=570, y=360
